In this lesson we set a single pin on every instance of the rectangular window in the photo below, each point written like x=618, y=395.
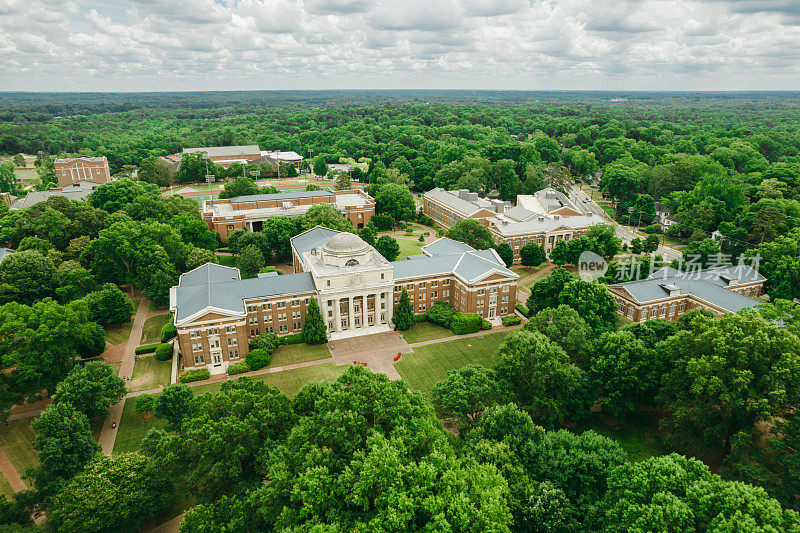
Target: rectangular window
x=506, y=288
x=422, y=307
x=233, y=354
x=505, y=299
x=213, y=331
x=480, y=303
x=653, y=312
x=434, y=283
x=446, y=293
x=230, y=329
x=422, y=296
x=232, y=341
x=481, y=292
x=295, y=303
x=682, y=307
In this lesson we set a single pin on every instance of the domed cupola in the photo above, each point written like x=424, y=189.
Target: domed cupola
x=345, y=249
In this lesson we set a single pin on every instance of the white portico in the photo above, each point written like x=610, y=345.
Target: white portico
x=354, y=285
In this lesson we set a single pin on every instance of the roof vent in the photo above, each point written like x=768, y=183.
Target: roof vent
x=671, y=289
x=556, y=217
x=589, y=214
x=463, y=193
x=729, y=279
x=541, y=218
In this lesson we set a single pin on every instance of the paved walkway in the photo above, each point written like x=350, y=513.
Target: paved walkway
x=218, y=378
x=11, y=473
x=378, y=351
x=172, y=526
x=522, y=294
x=109, y=434
x=482, y=333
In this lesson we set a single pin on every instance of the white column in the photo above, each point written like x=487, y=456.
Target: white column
x=350, y=313
x=364, y=311
x=388, y=299
x=337, y=319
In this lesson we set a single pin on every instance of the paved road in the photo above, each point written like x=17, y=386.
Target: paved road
x=625, y=233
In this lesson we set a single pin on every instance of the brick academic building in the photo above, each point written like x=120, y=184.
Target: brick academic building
x=82, y=169
x=250, y=212
x=217, y=313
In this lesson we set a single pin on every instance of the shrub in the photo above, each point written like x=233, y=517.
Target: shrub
x=146, y=348
x=294, y=338
x=522, y=309
x=653, y=228
x=164, y=351
x=421, y=318
x=511, y=320
x=464, y=323
x=168, y=331
x=145, y=403
x=265, y=341
x=485, y=324
x=195, y=374
x=258, y=358
x=441, y=314
x=239, y=367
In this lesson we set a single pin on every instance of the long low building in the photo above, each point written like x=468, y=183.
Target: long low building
x=217, y=313
x=249, y=212
x=249, y=154
x=544, y=218
x=669, y=293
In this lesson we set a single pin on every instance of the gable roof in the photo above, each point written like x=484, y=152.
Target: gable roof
x=471, y=266
x=446, y=246
x=452, y=201
x=214, y=288
x=710, y=285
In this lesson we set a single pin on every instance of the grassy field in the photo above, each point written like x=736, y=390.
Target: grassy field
x=132, y=428
x=119, y=334
x=299, y=353
x=425, y=331
x=151, y=331
x=408, y=247
x=227, y=260
x=525, y=271
x=429, y=364
x=148, y=373
x=639, y=436
x=5, y=487
x=16, y=442
x=289, y=381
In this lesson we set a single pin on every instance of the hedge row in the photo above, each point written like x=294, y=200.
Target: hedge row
x=195, y=374
x=511, y=320
x=168, y=331
x=464, y=323
x=239, y=367
x=146, y=348
x=522, y=309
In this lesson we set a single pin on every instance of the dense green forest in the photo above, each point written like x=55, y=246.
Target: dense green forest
x=724, y=162
x=490, y=449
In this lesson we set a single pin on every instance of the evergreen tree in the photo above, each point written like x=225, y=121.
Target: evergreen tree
x=404, y=312
x=314, y=330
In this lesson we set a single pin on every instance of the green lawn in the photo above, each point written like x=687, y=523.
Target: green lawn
x=289, y=381
x=151, y=331
x=119, y=334
x=132, y=427
x=149, y=373
x=425, y=331
x=16, y=442
x=525, y=271
x=5, y=487
x=227, y=260
x=299, y=353
x=638, y=436
x=429, y=364
x=408, y=247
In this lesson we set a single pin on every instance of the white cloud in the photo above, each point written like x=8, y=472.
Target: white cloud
x=517, y=44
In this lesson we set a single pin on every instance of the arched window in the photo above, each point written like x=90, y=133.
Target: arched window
x=351, y=262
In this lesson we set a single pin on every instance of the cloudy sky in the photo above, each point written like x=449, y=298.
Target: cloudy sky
x=124, y=45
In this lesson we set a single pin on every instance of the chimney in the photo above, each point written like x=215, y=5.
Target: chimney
x=472, y=197
x=463, y=193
